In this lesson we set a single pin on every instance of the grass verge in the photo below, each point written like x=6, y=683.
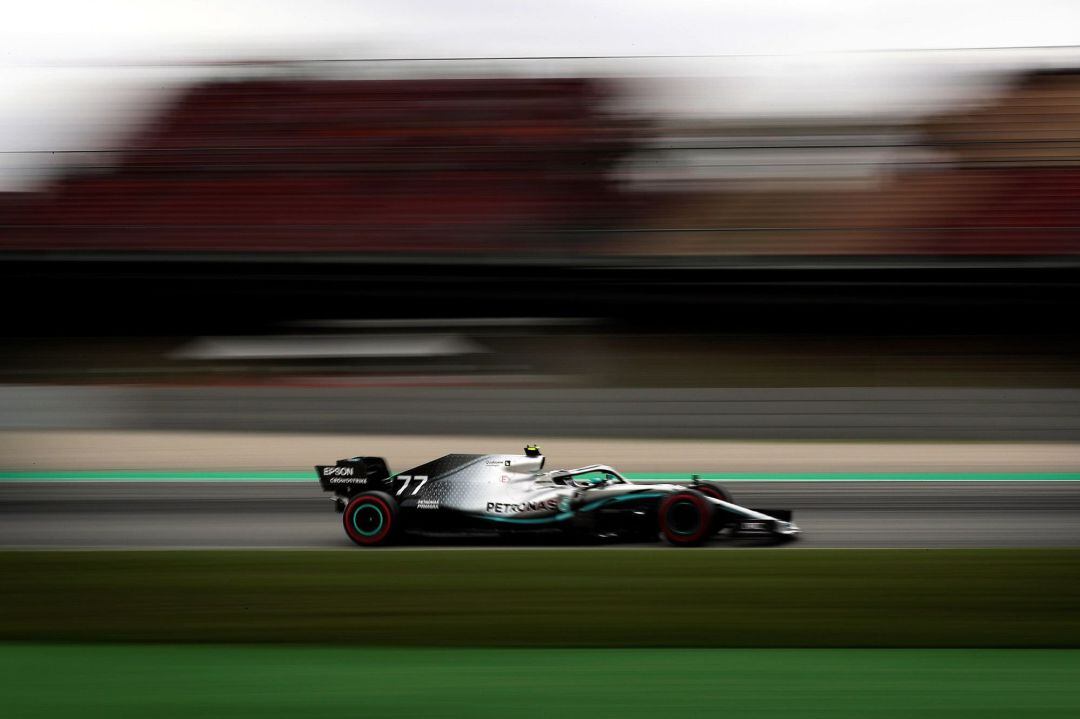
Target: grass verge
x=121, y=682
x=561, y=598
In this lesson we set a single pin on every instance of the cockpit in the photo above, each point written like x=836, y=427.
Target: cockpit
x=591, y=477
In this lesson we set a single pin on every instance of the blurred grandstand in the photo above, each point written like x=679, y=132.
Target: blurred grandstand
x=360, y=166
x=543, y=167
x=530, y=196
x=996, y=179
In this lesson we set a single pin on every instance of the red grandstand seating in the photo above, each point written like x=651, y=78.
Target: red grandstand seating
x=314, y=165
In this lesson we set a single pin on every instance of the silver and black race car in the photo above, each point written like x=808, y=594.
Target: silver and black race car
x=500, y=494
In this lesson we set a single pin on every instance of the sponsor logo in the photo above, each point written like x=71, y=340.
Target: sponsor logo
x=753, y=526
x=338, y=471
x=544, y=505
x=427, y=504
x=346, y=480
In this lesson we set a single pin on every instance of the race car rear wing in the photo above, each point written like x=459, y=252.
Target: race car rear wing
x=348, y=476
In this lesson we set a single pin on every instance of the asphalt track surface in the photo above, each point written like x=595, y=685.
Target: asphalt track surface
x=298, y=515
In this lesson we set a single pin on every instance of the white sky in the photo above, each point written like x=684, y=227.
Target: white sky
x=70, y=68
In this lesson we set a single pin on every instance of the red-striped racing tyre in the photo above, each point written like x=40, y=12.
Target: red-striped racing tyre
x=371, y=519
x=686, y=518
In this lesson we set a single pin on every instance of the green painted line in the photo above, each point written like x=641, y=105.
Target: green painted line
x=136, y=475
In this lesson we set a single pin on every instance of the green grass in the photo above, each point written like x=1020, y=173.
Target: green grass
x=121, y=682
x=558, y=598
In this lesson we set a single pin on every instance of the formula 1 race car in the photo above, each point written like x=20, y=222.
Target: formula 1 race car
x=479, y=494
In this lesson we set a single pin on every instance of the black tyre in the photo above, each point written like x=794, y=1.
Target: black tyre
x=686, y=518
x=371, y=519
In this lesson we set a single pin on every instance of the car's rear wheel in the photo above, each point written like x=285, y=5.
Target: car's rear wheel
x=371, y=519
x=686, y=518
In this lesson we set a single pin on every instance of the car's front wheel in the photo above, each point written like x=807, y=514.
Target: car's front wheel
x=686, y=518
x=371, y=519
x=711, y=489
